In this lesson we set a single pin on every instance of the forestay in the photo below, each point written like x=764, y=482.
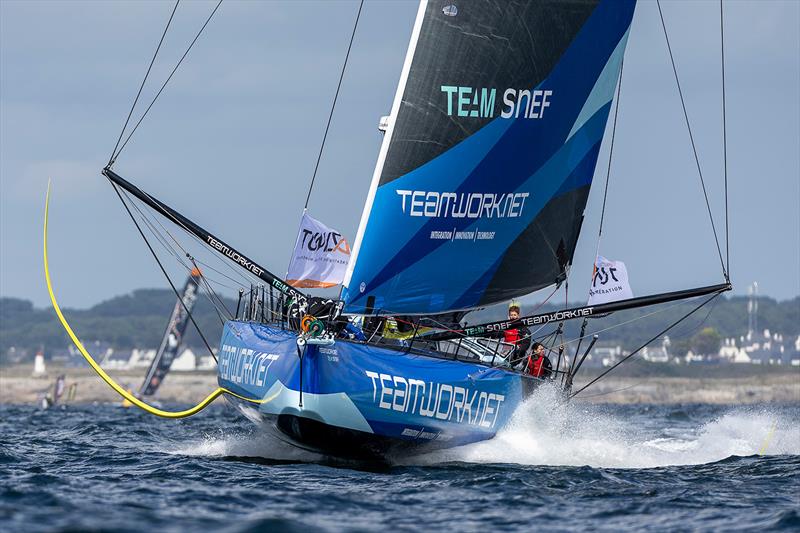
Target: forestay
x=485, y=168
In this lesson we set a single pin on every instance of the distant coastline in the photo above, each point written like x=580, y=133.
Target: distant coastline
x=719, y=386
x=137, y=321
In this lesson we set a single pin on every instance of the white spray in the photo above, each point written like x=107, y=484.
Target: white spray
x=544, y=431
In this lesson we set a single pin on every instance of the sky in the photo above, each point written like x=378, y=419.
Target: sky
x=232, y=141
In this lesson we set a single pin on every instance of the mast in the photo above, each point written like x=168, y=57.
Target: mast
x=386, y=126
x=580, y=312
x=206, y=236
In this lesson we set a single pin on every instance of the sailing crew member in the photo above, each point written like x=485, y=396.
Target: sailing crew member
x=519, y=336
x=538, y=364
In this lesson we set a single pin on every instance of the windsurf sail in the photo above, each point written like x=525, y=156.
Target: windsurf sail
x=173, y=336
x=59, y=387
x=485, y=168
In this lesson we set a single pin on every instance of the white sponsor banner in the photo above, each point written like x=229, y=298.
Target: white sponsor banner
x=320, y=256
x=609, y=282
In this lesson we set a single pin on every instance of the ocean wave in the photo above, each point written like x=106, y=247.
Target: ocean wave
x=547, y=431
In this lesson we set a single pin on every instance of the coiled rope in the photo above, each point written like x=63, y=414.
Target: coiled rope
x=97, y=368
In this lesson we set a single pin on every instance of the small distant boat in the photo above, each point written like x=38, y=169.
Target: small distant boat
x=171, y=341
x=173, y=336
x=52, y=397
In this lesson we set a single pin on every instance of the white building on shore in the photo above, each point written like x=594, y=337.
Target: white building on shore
x=761, y=349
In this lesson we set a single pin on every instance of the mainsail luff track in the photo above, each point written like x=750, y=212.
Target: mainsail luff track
x=207, y=237
x=586, y=311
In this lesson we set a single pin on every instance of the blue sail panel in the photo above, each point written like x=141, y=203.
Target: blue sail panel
x=485, y=179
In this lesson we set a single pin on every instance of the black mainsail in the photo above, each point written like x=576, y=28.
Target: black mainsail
x=485, y=168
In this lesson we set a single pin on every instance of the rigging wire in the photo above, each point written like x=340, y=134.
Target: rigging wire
x=724, y=145
x=163, y=270
x=608, y=170
x=213, y=295
x=637, y=350
x=659, y=310
x=691, y=328
x=180, y=261
x=210, y=292
x=691, y=139
x=244, y=280
x=149, y=68
x=102, y=373
x=330, y=116
x=128, y=138
x=238, y=272
x=150, y=222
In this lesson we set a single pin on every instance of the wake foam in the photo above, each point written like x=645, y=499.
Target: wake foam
x=545, y=431
x=256, y=444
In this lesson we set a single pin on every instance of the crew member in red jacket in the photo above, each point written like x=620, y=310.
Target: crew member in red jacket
x=538, y=365
x=519, y=336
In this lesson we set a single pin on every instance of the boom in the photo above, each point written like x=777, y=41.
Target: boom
x=579, y=312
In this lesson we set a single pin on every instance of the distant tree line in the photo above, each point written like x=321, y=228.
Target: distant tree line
x=138, y=320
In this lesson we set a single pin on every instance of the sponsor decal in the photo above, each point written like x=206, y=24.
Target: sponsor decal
x=474, y=205
x=557, y=316
x=281, y=286
x=331, y=353
x=469, y=102
x=330, y=241
x=422, y=434
x=482, y=102
x=244, y=366
x=435, y=400
x=472, y=235
x=234, y=255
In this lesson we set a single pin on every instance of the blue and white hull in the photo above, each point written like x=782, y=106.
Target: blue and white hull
x=351, y=399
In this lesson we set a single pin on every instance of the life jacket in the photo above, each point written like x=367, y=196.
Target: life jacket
x=511, y=336
x=535, y=368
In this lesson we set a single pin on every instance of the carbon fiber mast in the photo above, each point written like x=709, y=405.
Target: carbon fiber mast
x=207, y=237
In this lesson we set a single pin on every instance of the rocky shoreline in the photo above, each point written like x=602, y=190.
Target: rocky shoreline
x=17, y=386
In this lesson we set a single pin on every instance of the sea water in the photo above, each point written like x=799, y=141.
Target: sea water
x=554, y=467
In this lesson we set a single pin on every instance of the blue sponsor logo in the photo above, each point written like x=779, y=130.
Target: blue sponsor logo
x=481, y=102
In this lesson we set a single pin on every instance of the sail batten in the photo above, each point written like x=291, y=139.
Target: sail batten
x=485, y=171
